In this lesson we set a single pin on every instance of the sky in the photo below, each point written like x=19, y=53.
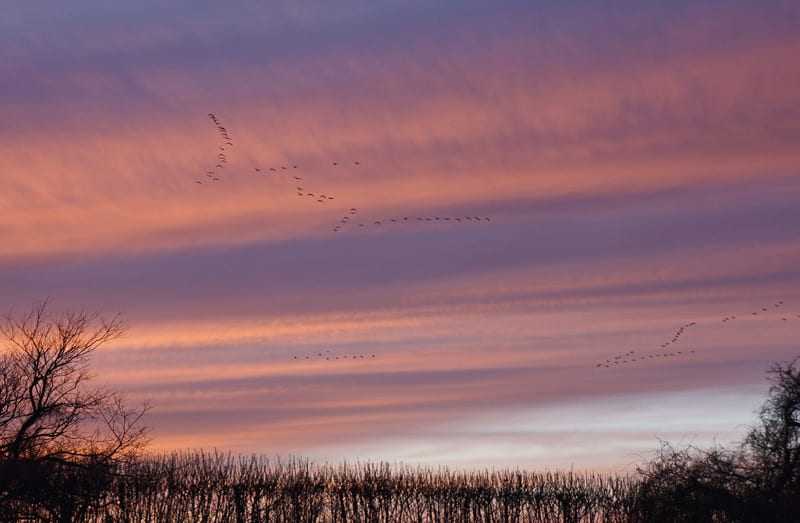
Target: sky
x=581, y=180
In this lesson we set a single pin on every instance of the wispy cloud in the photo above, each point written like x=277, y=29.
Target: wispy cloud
x=638, y=163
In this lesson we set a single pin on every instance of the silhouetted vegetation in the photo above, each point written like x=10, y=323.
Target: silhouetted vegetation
x=222, y=488
x=757, y=481
x=71, y=452
x=60, y=438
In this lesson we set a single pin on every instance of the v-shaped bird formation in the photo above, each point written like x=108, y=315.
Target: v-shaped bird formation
x=635, y=357
x=290, y=173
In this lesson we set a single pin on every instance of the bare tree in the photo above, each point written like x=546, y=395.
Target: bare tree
x=52, y=419
x=758, y=480
x=774, y=443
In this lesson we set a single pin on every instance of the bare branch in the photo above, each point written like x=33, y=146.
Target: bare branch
x=48, y=407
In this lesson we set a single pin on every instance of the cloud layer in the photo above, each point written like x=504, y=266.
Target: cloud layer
x=638, y=163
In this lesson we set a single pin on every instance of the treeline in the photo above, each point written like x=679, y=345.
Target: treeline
x=678, y=486
x=211, y=488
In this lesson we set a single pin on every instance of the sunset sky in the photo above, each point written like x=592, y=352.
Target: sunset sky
x=638, y=163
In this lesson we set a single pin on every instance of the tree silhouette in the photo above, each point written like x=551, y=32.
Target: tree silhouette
x=60, y=436
x=757, y=481
x=774, y=444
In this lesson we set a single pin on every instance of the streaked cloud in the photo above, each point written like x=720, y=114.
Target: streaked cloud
x=638, y=162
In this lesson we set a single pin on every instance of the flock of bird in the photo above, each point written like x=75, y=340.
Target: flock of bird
x=632, y=357
x=327, y=355
x=628, y=357
x=289, y=173
x=345, y=220
x=763, y=310
x=212, y=175
x=350, y=219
